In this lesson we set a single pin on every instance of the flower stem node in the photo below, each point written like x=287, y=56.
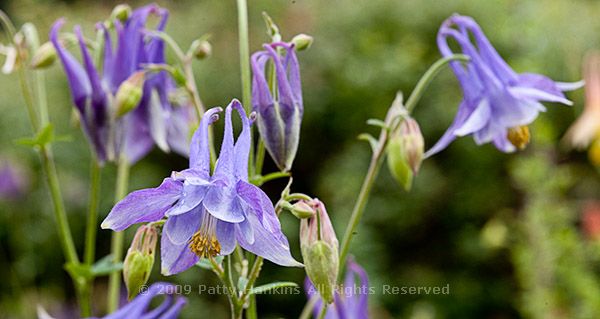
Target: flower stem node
x=140, y=259
x=519, y=136
x=121, y=12
x=320, y=250
x=129, y=93
x=302, y=42
x=44, y=56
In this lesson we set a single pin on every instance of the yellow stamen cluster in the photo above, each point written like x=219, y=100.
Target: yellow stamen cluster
x=519, y=136
x=204, y=242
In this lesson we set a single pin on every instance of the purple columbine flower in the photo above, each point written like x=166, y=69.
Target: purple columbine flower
x=133, y=134
x=139, y=307
x=13, y=181
x=350, y=300
x=279, y=116
x=498, y=103
x=208, y=214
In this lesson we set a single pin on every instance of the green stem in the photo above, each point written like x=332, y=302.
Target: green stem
x=433, y=70
x=251, y=312
x=308, y=308
x=323, y=311
x=379, y=153
x=94, y=199
x=116, y=247
x=244, y=53
x=90, y=237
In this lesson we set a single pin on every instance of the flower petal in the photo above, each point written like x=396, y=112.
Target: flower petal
x=175, y=258
x=477, y=120
x=199, y=151
x=226, y=237
x=241, y=150
x=222, y=203
x=224, y=166
x=191, y=197
x=272, y=246
x=256, y=202
x=180, y=228
x=144, y=205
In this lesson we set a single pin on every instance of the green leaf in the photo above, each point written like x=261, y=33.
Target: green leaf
x=274, y=285
x=43, y=137
x=105, y=266
x=205, y=263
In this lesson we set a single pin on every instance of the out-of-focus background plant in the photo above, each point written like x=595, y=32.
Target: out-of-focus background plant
x=512, y=235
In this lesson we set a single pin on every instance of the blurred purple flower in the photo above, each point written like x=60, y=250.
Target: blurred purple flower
x=154, y=120
x=498, y=103
x=13, y=181
x=207, y=215
x=139, y=306
x=350, y=300
x=280, y=116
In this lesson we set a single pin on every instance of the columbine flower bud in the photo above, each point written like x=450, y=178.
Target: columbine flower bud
x=140, y=259
x=303, y=210
x=319, y=246
x=201, y=49
x=44, y=56
x=121, y=12
x=279, y=112
x=405, y=152
x=129, y=93
x=302, y=42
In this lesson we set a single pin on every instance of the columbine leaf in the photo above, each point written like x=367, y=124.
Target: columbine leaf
x=274, y=285
x=105, y=266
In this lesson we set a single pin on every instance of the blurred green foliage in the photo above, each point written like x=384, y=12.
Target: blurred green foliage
x=364, y=51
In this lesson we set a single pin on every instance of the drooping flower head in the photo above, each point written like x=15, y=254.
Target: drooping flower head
x=498, y=103
x=148, y=120
x=139, y=307
x=279, y=116
x=207, y=214
x=351, y=300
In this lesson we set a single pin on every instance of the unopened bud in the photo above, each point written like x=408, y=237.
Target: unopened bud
x=121, y=12
x=320, y=250
x=405, y=152
x=201, y=49
x=129, y=93
x=302, y=210
x=140, y=259
x=44, y=56
x=302, y=42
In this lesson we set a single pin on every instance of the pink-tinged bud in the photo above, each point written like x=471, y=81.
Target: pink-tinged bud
x=303, y=210
x=201, y=49
x=121, y=12
x=405, y=152
x=140, y=259
x=320, y=250
x=129, y=93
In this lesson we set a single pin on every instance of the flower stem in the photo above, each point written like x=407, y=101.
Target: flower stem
x=379, y=153
x=244, y=53
x=323, y=311
x=116, y=247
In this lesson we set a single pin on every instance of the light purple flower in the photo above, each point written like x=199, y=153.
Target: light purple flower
x=280, y=116
x=13, y=181
x=208, y=214
x=498, y=103
x=134, y=134
x=139, y=307
x=350, y=299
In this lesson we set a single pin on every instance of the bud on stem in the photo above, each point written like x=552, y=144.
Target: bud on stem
x=129, y=93
x=140, y=259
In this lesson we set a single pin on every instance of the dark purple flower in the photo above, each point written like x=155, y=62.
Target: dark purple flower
x=498, y=103
x=93, y=92
x=139, y=307
x=350, y=299
x=208, y=214
x=13, y=181
x=280, y=116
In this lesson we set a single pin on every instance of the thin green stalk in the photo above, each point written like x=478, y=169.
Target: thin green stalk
x=94, y=199
x=308, y=308
x=251, y=312
x=244, y=53
x=116, y=248
x=87, y=288
x=379, y=153
x=323, y=311
x=64, y=231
